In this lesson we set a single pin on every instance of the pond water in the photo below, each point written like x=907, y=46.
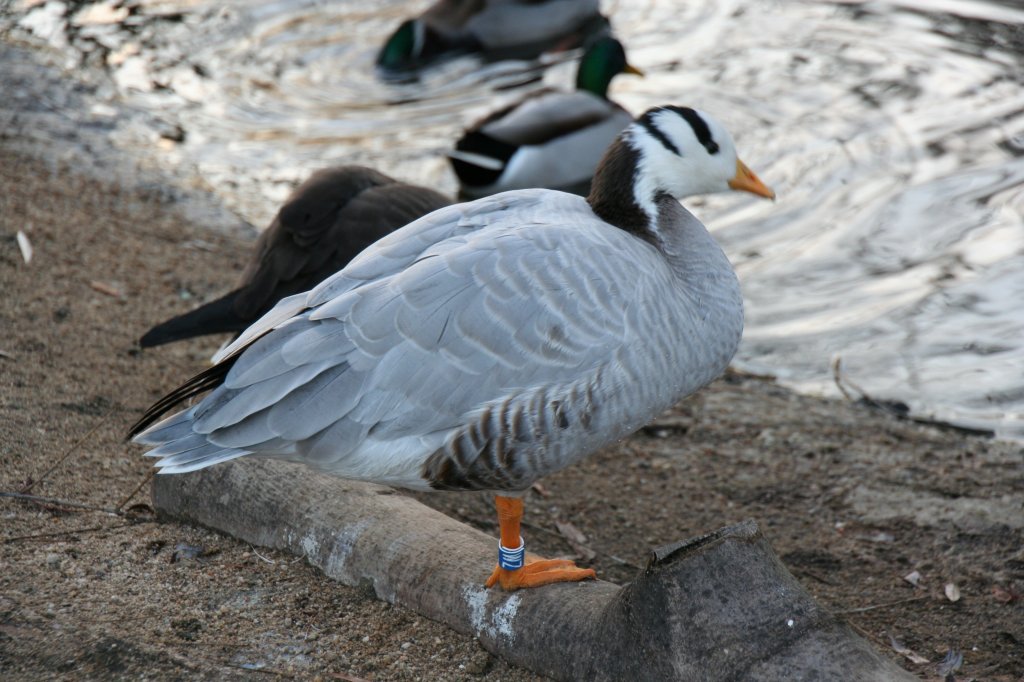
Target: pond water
x=893, y=133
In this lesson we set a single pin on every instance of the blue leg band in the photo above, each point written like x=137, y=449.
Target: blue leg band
x=511, y=559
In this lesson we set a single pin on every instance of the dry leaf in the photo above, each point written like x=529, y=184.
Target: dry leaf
x=107, y=288
x=570, y=532
x=576, y=539
x=1004, y=595
x=952, y=592
x=25, y=245
x=910, y=655
x=914, y=578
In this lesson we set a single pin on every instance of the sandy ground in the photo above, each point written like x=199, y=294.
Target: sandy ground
x=853, y=500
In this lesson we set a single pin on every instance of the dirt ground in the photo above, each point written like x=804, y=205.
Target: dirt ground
x=915, y=534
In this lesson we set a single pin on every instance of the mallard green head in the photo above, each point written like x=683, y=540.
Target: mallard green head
x=602, y=61
x=403, y=47
x=416, y=44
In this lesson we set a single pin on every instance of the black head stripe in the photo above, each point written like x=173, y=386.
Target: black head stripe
x=647, y=121
x=697, y=124
x=700, y=127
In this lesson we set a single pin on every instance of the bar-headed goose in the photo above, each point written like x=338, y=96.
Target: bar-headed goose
x=490, y=343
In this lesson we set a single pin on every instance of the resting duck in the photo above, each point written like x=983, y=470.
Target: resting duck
x=488, y=344
x=550, y=139
x=495, y=29
x=325, y=222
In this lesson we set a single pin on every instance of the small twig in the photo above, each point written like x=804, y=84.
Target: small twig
x=269, y=561
x=622, y=562
x=208, y=643
x=837, y=377
x=897, y=410
x=73, y=531
x=54, y=502
x=268, y=671
x=146, y=480
x=868, y=635
x=982, y=673
x=66, y=454
x=810, y=573
x=886, y=605
x=105, y=288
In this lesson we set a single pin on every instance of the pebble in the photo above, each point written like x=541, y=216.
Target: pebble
x=100, y=13
x=134, y=75
x=48, y=22
x=120, y=55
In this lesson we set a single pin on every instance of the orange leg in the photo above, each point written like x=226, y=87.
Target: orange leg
x=535, y=572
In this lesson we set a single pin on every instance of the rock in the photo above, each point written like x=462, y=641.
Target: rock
x=186, y=82
x=134, y=75
x=48, y=22
x=100, y=13
x=121, y=54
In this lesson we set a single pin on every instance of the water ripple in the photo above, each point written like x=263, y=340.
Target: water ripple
x=892, y=131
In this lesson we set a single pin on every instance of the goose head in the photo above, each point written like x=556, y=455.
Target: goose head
x=602, y=61
x=673, y=151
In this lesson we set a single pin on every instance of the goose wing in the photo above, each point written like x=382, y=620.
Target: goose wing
x=467, y=333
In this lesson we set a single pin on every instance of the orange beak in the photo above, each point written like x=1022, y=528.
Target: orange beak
x=746, y=181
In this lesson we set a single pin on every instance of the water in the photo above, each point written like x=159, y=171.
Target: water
x=893, y=133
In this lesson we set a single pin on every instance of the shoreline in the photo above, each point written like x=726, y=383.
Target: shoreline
x=853, y=501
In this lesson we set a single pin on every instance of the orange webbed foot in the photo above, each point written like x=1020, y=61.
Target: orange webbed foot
x=537, y=572
x=532, y=571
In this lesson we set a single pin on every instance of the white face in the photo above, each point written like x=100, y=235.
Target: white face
x=682, y=154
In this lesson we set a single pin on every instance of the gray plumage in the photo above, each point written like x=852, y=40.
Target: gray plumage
x=484, y=345
x=495, y=29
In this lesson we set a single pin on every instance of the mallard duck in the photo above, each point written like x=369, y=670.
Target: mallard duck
x=490, y=343
x=496, y=29
x=550, y=139
x=326, y=221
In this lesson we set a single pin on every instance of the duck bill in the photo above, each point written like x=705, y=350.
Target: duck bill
x=629, y=68
x=746, y=180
